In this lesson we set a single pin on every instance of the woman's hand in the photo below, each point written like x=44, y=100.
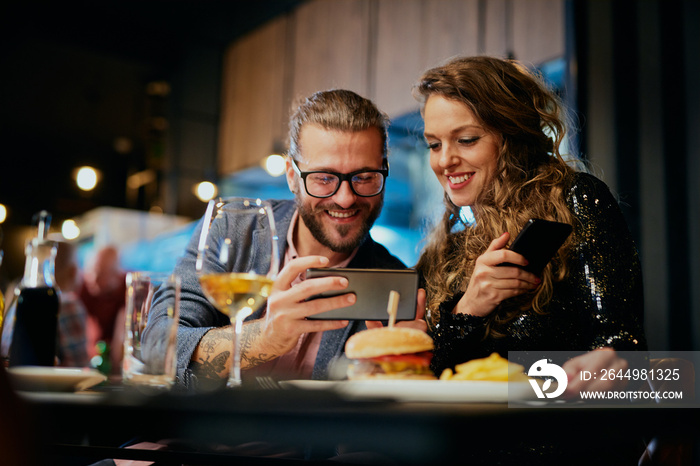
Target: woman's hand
x=594, y=361
x=492, y=282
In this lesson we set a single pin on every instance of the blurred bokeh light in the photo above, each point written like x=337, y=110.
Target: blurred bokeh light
x=205, y=191
x=86, y=178
x=275, y=165
x=70, y=229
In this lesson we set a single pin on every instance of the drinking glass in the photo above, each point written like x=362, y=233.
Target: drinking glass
x=237, y=262
x=150, y=338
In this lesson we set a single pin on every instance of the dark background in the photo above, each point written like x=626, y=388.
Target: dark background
x=74, y=81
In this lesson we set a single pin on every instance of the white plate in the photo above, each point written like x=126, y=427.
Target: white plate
x=54, y=379
x=422, y=390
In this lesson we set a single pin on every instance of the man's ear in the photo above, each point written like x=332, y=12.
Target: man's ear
x=291, y=178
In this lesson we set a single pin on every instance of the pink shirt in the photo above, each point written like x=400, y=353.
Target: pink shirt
x=299, y=362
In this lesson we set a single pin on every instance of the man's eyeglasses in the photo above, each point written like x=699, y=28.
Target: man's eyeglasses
x=364, y=183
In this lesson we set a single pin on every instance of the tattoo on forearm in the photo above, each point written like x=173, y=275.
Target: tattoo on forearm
x=211, y=340
x=214, y=366
x=249, y=357
x=210, y=369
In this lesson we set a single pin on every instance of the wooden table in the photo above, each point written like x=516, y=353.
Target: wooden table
x=90, y=426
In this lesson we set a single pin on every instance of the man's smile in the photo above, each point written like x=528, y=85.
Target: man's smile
x=342, y=214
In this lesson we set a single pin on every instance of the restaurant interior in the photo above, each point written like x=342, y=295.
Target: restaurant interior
x=159, y=97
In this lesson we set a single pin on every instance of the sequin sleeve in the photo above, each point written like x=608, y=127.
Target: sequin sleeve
x=456, y=336
x=605, y=279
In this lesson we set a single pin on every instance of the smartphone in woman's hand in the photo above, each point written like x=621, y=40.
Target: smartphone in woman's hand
x=539, y=241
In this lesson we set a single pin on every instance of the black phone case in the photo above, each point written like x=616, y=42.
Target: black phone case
x=539, y=241
x=372, y=288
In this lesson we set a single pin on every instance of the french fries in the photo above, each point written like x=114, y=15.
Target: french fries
x=493, y=368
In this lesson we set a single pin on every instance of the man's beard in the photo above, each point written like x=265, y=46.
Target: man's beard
x=310, y=217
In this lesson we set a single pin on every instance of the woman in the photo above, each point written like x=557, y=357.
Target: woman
x=495, y=132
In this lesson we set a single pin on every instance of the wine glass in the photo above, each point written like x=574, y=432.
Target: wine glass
x=237, y=262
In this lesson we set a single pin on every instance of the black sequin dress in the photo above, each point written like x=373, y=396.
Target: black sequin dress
x=599, y=304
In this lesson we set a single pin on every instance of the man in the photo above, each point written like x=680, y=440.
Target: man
x=338, y=133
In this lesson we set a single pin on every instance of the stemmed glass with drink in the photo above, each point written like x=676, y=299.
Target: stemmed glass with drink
x=237, y=262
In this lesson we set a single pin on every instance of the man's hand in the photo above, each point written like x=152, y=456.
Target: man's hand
x=278, y=331
x=287, y=308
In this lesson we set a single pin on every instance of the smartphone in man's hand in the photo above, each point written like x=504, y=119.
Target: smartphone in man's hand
x=372, y=288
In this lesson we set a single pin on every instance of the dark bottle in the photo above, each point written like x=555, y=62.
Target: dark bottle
x=34, y=331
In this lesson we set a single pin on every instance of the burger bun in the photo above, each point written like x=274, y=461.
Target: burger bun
x=387, y=341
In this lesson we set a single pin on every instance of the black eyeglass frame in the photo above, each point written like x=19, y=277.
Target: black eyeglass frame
x=341, y=177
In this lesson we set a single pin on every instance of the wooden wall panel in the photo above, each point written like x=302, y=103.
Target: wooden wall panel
x=538, y=30
x=452, y=29
x=400, y=53
x=495, y=39
x=532, y=30
x=331, y=44
x=437, y=31
x=377, y=48
x=253, y=116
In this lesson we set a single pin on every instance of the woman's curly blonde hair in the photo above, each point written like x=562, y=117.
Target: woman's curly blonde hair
x=515, y=105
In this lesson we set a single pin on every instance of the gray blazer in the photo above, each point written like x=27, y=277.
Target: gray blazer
x=197, y=315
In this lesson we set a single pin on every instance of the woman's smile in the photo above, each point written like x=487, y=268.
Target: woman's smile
x=459, y=180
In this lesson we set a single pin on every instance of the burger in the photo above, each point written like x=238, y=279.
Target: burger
x=389, y=353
